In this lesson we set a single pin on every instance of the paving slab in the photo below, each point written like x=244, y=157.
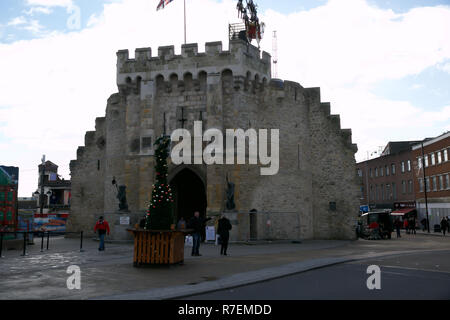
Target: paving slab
x=111, y=275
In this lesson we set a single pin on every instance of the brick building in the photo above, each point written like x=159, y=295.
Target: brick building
x=57, y=191
x=9, y=185
x=435, y=155
x=387, y=182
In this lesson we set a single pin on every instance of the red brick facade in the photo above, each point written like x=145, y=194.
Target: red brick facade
x=387, y=180
x=437, y=175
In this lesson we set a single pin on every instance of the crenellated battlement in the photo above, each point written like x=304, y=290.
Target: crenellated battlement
x=241, y=59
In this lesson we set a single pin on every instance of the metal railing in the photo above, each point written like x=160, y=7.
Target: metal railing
x=269, y=225
x=42, y=235
x=237, y=31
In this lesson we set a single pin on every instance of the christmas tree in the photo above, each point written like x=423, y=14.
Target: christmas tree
x=159, y=213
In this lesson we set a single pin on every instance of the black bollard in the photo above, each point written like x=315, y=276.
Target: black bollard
x=48, y=238
x=24, y=244
x=81, y=241
x=1, y=245
x=42, y=242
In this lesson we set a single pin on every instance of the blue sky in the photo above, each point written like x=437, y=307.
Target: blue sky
x=383, y=65
x=55, y=17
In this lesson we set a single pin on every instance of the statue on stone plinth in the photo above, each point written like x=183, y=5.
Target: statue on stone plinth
x=230, y=195
x=121, y=196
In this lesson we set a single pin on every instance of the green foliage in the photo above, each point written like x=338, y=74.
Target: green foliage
x=159, y=214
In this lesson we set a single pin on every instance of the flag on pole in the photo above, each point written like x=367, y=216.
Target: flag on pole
x=162, y=4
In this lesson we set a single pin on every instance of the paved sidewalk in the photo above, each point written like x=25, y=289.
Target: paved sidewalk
x=421, y=232
x=111, y=275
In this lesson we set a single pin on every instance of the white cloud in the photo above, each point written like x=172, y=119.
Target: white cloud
x=93, y=20
x=42, y=10
x=445, y=67
x=35, y=27
x=17, y=21
x=348, y=42
x=31, y=25
x=56, y=86
x=50, y=3
x=417, y=86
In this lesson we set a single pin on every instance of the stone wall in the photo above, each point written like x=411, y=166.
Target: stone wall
x=87, y=177
x=334, y=172
x=226, y=90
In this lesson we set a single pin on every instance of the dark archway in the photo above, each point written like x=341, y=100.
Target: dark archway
x=189, y=194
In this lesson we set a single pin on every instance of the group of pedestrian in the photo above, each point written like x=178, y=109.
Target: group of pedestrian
x=196, y=223
x=445, y=225
x=409, y=224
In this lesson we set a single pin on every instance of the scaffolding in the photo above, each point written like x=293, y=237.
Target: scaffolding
x=238, y=31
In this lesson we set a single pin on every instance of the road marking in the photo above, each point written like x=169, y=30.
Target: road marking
x=417, y=269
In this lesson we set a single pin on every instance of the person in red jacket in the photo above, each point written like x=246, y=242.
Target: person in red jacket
x=102, y=227
x=406, y=225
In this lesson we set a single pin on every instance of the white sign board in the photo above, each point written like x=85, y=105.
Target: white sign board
x=125, y=221
x=210, y=234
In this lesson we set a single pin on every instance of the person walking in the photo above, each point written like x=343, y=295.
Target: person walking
x=412, y=225
x=444, y=225
x=405, y=225
x=223, y=231
x=424, y=224
x=102, y=227
x=198, y=224
x=398, y=225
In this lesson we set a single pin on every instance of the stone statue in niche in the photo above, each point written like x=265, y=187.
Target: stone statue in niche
x=121, y=196
x=230, y=195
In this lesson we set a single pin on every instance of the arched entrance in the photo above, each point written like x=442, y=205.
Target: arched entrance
x=189, y=194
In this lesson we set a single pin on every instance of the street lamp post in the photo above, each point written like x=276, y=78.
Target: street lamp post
x=41, y=196
x=425, y=188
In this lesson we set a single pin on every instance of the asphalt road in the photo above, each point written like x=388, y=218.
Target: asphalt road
x=413, y=276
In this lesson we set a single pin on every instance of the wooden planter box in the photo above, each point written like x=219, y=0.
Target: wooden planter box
x=154, y=247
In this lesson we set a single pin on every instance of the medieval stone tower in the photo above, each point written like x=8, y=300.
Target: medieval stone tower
x=314, y=194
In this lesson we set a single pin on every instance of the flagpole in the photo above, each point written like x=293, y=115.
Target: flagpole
x=184, y=21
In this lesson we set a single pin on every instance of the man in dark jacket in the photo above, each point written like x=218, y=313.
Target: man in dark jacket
x=223, y=230
x=198, y=224
x=398, y=225
x=444, y=225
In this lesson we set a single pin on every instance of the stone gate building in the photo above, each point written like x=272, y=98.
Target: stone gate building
x=313, y=196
